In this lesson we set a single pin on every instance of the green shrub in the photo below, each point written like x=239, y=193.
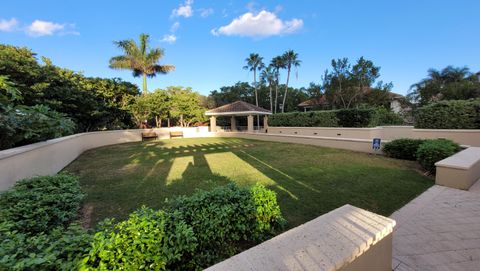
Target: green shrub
x=404, y=148
x=363, y=117
x=146, y=241
x=384, y=116
x=432, y=151
x=459, y=114
x=227, y=218
x=355, y=117
x=42, y=203
x=60, y=249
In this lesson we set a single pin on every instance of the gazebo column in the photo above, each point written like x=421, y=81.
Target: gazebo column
x=233, y=124
x=265, y=122
x=213, y=124
x=250, y=123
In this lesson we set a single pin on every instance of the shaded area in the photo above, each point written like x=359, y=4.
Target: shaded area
x=308, y=180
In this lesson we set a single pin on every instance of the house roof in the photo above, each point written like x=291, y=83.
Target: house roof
x=314, y=102
x=238, y=108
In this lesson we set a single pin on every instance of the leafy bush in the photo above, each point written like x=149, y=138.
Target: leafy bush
x=363, y=117
x=432, y=151
x=41, y=203
x=148, y=240
x=384, y=116
x=227, y=218
x=60, y=249
x=404, y=148
x=459, y=114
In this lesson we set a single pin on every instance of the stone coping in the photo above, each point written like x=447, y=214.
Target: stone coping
x=462, y=160
x=311, y=137
x=329, y=242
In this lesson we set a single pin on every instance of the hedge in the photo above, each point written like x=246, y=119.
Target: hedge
x=192, y=233
x=434, y=150
x=40, y=204
x=458, y=114
x=404, y=148
x=337, y=118
x=35, y=224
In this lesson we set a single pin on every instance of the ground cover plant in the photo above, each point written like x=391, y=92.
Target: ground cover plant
x=308, y=180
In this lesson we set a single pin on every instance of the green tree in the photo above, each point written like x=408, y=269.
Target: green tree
x=140, y=59
x=277, y=63
x=185, y=106
x=255, y=63
x=291, y=60
x=450, y=83
x=268, y=75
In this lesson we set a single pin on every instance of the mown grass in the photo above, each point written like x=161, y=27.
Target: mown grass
x=309, y=181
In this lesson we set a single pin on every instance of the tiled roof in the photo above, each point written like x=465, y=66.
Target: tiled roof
x=313, y=102
x=237, y=107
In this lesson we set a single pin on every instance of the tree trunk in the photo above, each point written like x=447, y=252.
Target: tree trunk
x=168, y=122
x=145, y=84
x=271, y=101
x=286, y=89
x=158, y=121
x=256, y=93
x=181, y=120
x=276, y=95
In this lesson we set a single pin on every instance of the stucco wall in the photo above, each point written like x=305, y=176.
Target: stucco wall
x=464, y=137
x=347, y=238
x=49, y=157
x=460, y=170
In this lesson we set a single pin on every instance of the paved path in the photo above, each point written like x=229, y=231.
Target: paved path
x=439, y=230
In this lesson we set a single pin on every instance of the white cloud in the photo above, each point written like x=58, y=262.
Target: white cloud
x=184, y=10
x=174, y=27
x=8, y=25
x=205, y=12
x=169, y=38
x=43, y=28
x=263, y=24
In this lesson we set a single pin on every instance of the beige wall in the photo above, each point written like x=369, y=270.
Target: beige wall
x=460, y=170
x=464, y=137
x=49, y=157
x=347, y=238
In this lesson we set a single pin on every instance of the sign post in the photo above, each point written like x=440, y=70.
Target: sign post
x=376, y=144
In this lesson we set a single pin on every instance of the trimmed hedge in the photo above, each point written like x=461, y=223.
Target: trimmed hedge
x=40, y=204
x=458, y=114
x=432, y=151
x=404, y=148
x=337, y=118
x=192, y=233
x=35, y=229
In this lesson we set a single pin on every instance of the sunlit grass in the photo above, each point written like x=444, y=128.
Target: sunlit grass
x=309, y=180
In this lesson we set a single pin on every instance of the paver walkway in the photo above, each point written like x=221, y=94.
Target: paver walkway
x=439, y=230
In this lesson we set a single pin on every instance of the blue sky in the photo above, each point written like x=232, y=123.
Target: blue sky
x=208, y=40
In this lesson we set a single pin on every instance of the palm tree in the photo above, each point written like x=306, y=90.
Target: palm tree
x=291, y=59
x=140, y=58
x=254, y=63
x=277, y=63
x=268, y=75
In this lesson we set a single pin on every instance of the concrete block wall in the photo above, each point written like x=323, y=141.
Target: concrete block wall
x=347, y=238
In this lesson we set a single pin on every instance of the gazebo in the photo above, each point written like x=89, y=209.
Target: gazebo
x=238, y=109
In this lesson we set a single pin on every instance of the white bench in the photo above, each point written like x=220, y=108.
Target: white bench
x=460, y=170
x=347, y=238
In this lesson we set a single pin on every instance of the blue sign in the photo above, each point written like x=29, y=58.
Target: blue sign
x=376, y=144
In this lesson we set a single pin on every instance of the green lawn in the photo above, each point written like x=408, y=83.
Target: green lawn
x=308, y=180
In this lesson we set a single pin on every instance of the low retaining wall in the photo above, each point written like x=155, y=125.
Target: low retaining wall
x=460, y=170
x=347, y=238
x=463, y=137
x=49, y=157
x=361, y=145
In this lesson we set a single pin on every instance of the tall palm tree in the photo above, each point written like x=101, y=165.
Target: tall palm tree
x=291, y=60
x=268, y=75
x=255, y=63
x=277, y=63
x=140, y=59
